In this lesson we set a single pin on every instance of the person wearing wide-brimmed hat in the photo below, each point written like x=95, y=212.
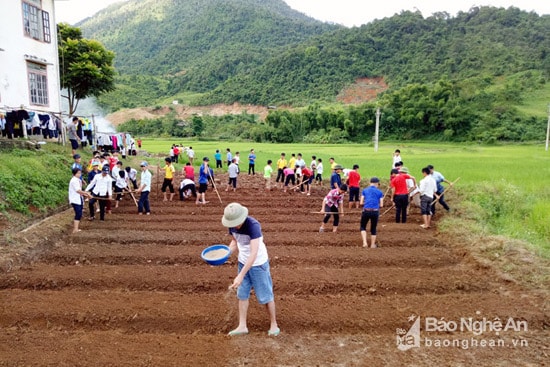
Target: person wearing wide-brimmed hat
x=335, y=179
x=253, y=266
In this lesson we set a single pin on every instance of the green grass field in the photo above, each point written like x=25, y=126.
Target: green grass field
x=506, y=187
x=526, y=166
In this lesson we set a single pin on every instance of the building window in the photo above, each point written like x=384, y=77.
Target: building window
x=38, y=84
x=46, y=24
x=36, y=22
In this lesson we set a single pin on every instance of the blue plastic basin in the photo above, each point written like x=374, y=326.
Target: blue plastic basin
x=217, y=261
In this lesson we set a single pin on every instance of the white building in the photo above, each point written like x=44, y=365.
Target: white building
x=29, y=66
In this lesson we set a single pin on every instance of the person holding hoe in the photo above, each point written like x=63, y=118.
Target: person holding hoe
x=372, y=199
x=204, y=177
x=169, y=172
x=253, y=268
x=333, y=205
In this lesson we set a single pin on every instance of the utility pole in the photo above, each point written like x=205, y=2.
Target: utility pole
x=548, y=128
x=377, y=128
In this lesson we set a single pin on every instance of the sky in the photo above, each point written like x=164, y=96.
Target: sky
x=346, y=12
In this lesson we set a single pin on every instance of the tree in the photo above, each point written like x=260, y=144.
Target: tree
x=85, y=66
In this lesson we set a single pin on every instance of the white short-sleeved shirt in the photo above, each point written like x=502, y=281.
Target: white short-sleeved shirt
x=146, y=180
x=427, y=186
x=319, y=168
x=75, y=185
x=233, y=170
x=250, y=230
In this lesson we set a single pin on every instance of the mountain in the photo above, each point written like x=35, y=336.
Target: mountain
x=485, y=42
x=481, y=75
x=208, y=39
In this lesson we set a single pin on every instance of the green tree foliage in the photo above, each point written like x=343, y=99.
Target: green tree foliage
x=86, y=67
x=198, y=45
x=450, y=78
x=405, y=48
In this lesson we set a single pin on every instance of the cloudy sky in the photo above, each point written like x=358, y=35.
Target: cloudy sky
x=346, y=12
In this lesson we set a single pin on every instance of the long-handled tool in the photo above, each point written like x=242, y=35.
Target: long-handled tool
x=386, y=193
x=214, y=184
x=132, y=195
x=158, y=177
x=296, y=186
x=333, y=212
x=393, y=206
x=446, y=191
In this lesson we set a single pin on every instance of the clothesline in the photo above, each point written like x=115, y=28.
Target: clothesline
x=28, y=109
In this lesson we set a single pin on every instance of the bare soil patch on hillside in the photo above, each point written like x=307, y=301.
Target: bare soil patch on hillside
x=185, y=112
x=133, y=291
x=363, y=90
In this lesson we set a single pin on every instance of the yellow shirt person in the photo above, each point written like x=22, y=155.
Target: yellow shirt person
x=169, y=172
x=281, y=163
x=292, y=161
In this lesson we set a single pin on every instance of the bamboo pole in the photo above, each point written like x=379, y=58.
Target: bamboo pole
x=214, y=184
x=132, y=195
x=158, y=177
x=393, y=206
x=445, y=191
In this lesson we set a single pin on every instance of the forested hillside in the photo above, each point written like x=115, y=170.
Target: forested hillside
x=193, y=45
x=481, y=75
x=406, y=48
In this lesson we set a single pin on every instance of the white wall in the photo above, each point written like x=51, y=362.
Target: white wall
x=14, y=84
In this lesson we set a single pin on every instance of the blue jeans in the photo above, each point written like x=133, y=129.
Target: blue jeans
x=143, y=203
x=259, y=278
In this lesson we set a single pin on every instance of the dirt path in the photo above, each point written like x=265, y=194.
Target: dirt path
x=133, y=291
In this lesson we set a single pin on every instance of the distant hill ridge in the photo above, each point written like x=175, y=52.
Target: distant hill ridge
x=158, y=37
x=263, y=52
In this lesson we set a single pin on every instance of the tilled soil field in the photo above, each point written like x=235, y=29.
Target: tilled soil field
x=133, y=291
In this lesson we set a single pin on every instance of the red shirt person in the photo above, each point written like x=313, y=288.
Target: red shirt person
x=354, y=180
x=400, y=193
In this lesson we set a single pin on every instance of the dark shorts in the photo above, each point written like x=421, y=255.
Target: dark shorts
x=202, y=188
x=167, y=183
x=233, y=182
x=74, y=144
x=77, y=211
x=353, y=194
x=426, y=205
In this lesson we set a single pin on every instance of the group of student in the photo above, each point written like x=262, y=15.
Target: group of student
x=403, y=187
x=105, y=176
